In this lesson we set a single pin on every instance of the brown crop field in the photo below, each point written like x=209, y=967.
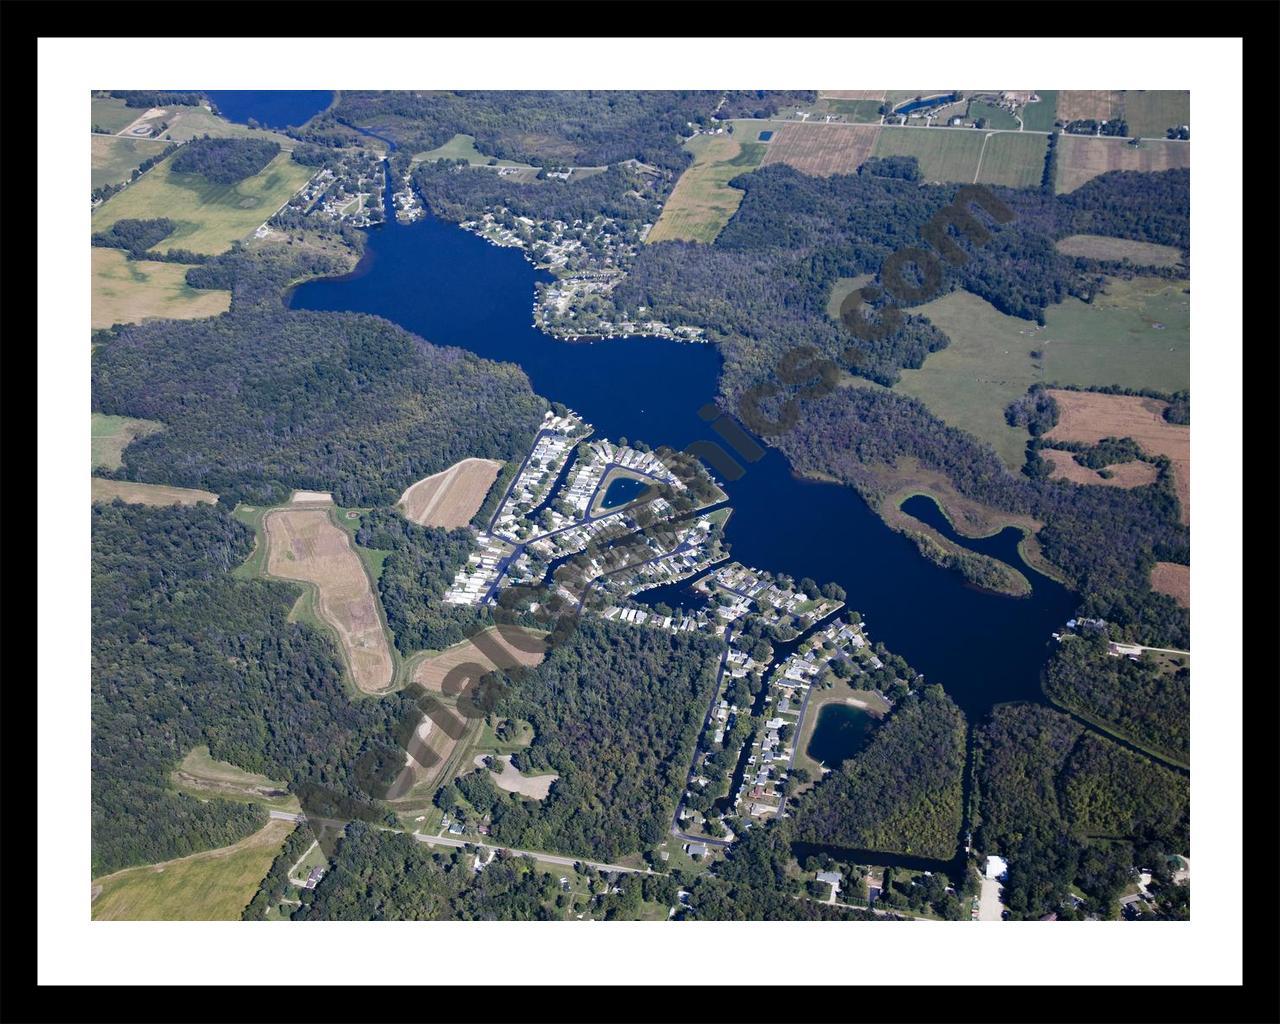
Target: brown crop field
x=493, y=652
x=303, y=544
x=535, y=787
x=450, y=498
x=148, y=494
x=1090, y=104
x=1082, y=157
x=851, y=94
x=821, y=149
x=1088, y=417
x=1100, y=247
x=1172, y=579
x=1123, y=474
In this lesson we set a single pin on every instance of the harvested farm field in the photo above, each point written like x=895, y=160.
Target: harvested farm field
x=493, y=651
x=1090, y=104
x=1083, y=157
x=1088, y=417
x=821, y=149
x=1172, y=579
x=1123, y=474
x=148, y=494
x=450, y=498
x=535, y=787
x=304, y=544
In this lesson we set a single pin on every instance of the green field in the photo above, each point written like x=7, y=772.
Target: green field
x=210, y=217
x=189, y=122
x=944, y=154
x=114, y=158
x=997, y=117
x=1102, y=247
x=1039, y=117
x=256, y=564
x=111, y=114
x=129, y=291
x=702, y=202
x=863, y=111
x=1015, y=159
x=203, y=776
x=112, y=434
x=212, y=886
x=1150, y=114
x=841, y=289
x=989, y=362
x=461, y=147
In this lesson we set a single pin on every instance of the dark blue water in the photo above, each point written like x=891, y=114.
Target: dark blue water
x=1002, y=545
x=928, y=101
x=621, y=491
x=454, y=288
x=842, y=731
x=274, y=108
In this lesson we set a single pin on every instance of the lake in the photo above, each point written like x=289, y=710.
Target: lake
x=841, y=731
x=454, y=288
x=273, y=108
x=622, y=490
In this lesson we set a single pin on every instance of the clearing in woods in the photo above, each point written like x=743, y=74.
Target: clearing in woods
x=536, y=787
x=215, y=885
x=1123, y=474
x=1101, y=247
x=209, y=217
x=148, y=494
x=1088, y=417
x=820, y=149
x=303, y=544
x=461, y=147
x=111, y=436
x=493, y=652
x=1172, y=579
x=115, y=158
x=126, y=291
x=201, y=775
x=1083, y=157
x=702, y=202
x=451, y=497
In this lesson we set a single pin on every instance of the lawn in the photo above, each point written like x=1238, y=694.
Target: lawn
x=461, y=147
x=865, y=111
x=1015, y=159
x=702, y=202
x=944, y=154
x=212, y=886
x=111, y=436
x=1150, y=114
x=989, y=362
x=209, y=217
x=111, y=114
x=128, y=291
x=997, y=117
x=114, y=158
x=1039, y=117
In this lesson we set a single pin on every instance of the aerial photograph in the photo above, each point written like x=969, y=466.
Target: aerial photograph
x=667, y=506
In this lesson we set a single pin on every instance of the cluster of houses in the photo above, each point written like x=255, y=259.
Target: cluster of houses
x=408, y=206
x=346, y=190
x=484, y=567
x=551, y=449
x=738, y=587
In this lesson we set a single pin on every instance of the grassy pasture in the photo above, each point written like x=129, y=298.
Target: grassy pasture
x=461, y=147
x=128, y=291
x=866, y=111
x=702, y=202
x=212, y=886
x=209, y=217
x=110, y=113
x=944, y=154
x=1083, y=157
x=1100, y=247
x=841, y=289
x=1172, y=579
x=997, y=117
x=1150, y=114
x=111, y=436
x=1040, y=116
x=1015, y=159
x=189, y=122
x=148, y=494
x=114, y=158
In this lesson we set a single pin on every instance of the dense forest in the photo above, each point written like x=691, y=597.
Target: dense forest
x=225, y=161
x=135, y=236
x=145, y=98
x=1141, y=701
x=616, y=711
x=185, y=655
x=336, y=402
x=902, y=793
x=1068, y=808
x=422, y=564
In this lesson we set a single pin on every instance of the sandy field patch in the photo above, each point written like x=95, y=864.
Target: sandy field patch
x=535, y=786
x=1100, y=247
x=303, y=544
x=1089, y=104
x=1172, y=579
x=821, y=149
x=1124, y=474
x=1088, y=417
x=851, y=94
x=1082, y=157
x=311, y=498
x=493, y=652
x=450, y=498
x=148, y=494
